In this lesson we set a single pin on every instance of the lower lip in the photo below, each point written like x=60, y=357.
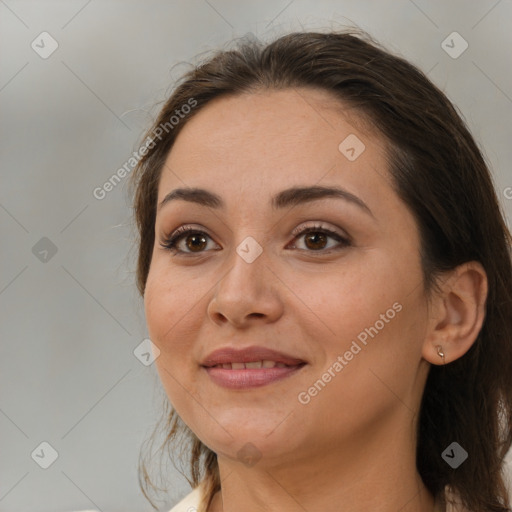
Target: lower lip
x=250, y=377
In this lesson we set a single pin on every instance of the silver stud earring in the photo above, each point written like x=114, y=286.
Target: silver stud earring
x=440, y=352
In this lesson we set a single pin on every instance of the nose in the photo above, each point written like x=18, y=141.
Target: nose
x=247, y=293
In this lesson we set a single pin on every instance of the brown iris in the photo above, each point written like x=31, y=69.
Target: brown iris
x=197, y=245
x=315, y=237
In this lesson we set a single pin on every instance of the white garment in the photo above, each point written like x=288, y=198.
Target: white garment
x=189, y=503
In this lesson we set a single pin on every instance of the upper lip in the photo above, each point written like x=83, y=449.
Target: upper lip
x=246, y=355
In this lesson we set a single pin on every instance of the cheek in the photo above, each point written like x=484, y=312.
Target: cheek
x=343, y=301
x=372, y=379
x=368, y=316
x=156, y=303
x=172, y=311
x=168, y=305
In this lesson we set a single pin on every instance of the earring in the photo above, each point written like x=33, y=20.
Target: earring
x=440, y=352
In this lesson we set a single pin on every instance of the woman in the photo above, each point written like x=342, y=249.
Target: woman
x=326, y=273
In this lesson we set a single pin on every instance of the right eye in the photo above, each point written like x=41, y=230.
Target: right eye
x=198, y=240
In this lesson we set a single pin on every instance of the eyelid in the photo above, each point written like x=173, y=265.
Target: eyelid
x=321, y=226
x=186, y=228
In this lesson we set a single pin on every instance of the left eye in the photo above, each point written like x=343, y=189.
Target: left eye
x=315, y=235
x=315, y=239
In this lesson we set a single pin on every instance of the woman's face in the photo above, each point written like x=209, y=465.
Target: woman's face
x=347, y=305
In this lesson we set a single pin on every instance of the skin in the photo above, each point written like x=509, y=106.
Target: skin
x=354, y=443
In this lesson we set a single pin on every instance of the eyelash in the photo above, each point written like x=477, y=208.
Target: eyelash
x=171, y=242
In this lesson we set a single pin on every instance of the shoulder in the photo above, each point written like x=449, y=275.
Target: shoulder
x=189, y=503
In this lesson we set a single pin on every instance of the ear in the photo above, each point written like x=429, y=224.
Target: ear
x=457, y=314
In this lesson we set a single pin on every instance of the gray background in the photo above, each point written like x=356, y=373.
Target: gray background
x=70, y=321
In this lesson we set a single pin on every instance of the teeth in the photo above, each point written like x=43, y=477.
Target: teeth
x=251, y=365
x=254, y=364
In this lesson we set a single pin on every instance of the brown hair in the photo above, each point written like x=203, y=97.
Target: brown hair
x=439, y=172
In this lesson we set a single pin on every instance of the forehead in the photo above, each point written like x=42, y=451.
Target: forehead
x=269, y=139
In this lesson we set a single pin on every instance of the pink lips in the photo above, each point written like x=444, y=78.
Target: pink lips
x=250, y=367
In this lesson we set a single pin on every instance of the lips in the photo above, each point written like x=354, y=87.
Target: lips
x=252, y=367
x=250, y=358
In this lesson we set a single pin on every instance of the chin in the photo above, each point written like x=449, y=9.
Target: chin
x=262, y=441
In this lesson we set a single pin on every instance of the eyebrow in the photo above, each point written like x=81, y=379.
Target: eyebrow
x=286, y=198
